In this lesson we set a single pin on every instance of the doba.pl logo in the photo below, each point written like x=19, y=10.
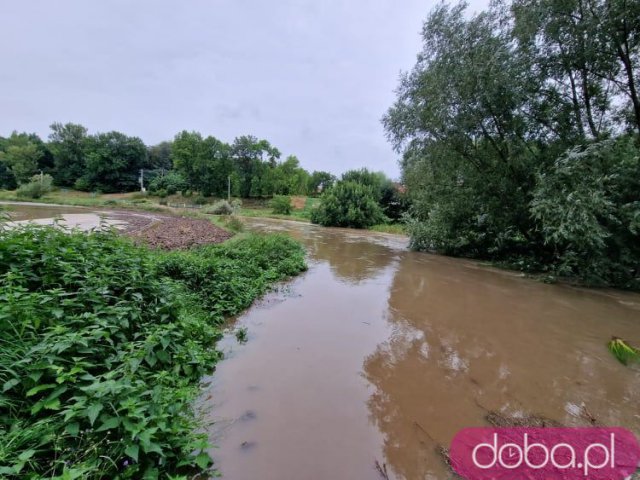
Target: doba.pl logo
x=545, y=453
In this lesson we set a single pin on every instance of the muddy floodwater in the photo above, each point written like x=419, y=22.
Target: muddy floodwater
x=67, y=216
x=379, y=354
x=382, y=354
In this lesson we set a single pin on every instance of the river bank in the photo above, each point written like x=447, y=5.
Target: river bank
x=177, y=205
x=104, y=344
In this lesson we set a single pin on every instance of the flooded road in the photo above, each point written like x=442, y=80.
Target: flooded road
x=381, y=354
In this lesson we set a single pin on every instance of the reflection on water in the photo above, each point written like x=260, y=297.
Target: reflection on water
x=467, y=341
x=378, y=353
x=21, y=211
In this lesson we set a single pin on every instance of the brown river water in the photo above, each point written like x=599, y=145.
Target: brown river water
x=382, y=354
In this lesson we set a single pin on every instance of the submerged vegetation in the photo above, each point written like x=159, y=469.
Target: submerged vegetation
x=624, y=352
x=104, y=343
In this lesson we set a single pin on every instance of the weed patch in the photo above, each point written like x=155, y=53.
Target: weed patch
x=103, y=344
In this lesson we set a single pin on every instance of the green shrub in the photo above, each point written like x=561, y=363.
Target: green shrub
x=236, y=205
x=82, y=184
x=587, y=207
x=221, y=207
x=200, y=200
x=348, y=204
x=255, y=261
x=7, y=178
x=103, y=344
x=234, y=224
x=38, y=186
x=171, y=182
x=281, y=204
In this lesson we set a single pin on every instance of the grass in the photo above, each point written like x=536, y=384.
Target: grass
x=103, y=345
x=133, y=200
x=395, y=228
x=254, y=208
x=84, y=199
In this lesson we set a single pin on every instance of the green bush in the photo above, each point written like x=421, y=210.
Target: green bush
x=82, y=184
x=221, y=207
x=38, y=186
x=7, y=178
x=229, y=276
x=200, y=200
x=348, y=204
x=235, y=224
x=587, y=207
x=236, y=204
x=281, y=204
x=171, y=182
x=103, y=345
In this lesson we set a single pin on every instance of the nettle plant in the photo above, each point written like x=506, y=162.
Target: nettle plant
x=101, y=350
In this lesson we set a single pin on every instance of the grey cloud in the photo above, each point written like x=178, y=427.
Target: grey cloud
x=312, y=77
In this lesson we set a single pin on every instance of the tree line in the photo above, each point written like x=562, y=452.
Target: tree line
x=111, y=162
x=518, y=132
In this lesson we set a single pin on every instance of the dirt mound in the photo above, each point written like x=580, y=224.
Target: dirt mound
x=298, y=202
x=167, y=232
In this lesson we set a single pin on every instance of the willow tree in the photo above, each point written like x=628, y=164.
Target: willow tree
x=460, y=123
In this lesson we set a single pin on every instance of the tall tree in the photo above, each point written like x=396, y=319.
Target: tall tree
x=68, y=144
x=320, y=181
x=248, y=153
x=113, y=162
x=205, y=163
x=461, y=125
x=21, y=160
x=159, y=156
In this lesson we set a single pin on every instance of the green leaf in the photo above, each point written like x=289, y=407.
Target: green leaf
x=8, y=385
x=73, y=429
x=151, y=359
x=152, y=447
x=40, y=388
x=93, y=411
x=109, y=424
x=623, y=351
x=203, y=460
x=52, y=404
x=163, y=356
x=26, y=455
x=35, y=376
x=132, y=451
x=150, y=473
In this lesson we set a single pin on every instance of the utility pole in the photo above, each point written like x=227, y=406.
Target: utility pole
x=142, y=179
x=229, y=188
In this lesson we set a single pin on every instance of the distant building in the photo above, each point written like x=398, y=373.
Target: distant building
x=400, y=188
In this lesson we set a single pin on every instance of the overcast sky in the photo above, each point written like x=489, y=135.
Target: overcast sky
x=313, y=77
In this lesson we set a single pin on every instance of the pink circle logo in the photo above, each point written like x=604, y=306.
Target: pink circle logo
x=592, y=453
